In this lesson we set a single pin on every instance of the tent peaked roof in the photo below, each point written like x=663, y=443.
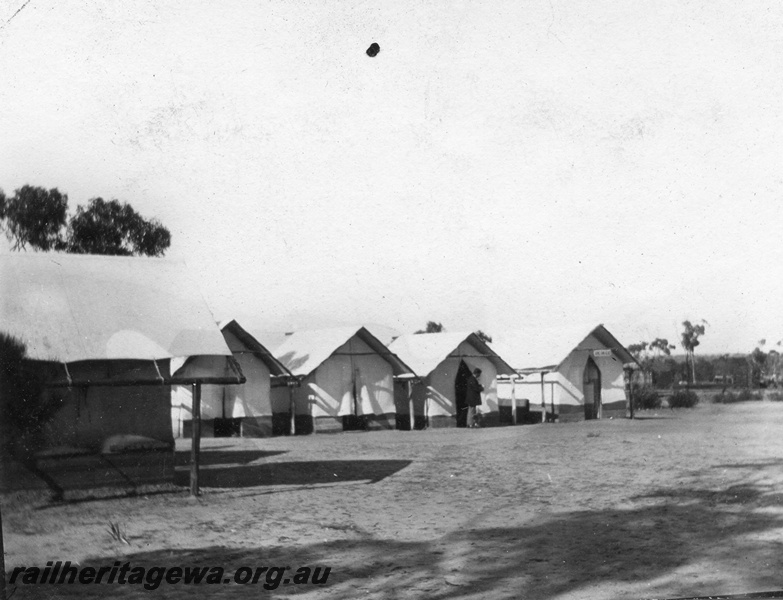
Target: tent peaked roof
x=302, y=352
x=546, y=349
x=70, y=308
x=276, y=368
x=425, y=351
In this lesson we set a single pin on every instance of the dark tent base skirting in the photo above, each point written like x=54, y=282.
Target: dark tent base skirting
x=525, y=416
x=346, y=423
x=403, y=422
x=490, y=419
x=279, y=424
x=252, y=427
x=571, y=413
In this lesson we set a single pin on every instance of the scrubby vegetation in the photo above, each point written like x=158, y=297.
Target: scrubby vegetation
x=646, y=398
x=729, y=397
x=683, y=399
x=23, y=406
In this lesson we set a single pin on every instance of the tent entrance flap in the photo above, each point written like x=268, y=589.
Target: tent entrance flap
x=355, y=421
x=461, y=393
x=592, y=390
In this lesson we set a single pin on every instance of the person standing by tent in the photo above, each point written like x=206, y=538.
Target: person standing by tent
x=473, y=397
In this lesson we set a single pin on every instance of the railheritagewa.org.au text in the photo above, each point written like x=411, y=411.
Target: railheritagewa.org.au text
x=124, y=573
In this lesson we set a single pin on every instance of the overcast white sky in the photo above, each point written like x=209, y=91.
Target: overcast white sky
x=499, y=165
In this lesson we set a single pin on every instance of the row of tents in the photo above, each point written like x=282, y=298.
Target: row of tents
x=351, y=378
x=124, y=344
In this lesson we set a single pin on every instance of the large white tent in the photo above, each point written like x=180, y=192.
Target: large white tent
x=347, y=379
x=570, y=373
x=108, y=336
x=251, y=409
x=436, y=357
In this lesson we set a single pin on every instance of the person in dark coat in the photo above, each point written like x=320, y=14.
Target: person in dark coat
x=473, y=397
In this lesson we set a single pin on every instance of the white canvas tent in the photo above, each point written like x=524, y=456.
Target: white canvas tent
x=251, y=409
x=571, y=373
x=109, y=336
x=347, y=379
x=436, y=357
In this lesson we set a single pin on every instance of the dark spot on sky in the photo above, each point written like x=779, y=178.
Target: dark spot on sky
x=373, y=49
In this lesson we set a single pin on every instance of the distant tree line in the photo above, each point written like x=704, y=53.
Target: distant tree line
x=662, y=370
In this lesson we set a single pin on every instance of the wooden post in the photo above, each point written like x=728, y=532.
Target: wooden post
x=411, y=414
x=357, y=400
x=196, y=441
x=513, y=400
x=291, y=409
x=693, y=365
x=2, y=562
x=355, y=390
x=310, y=409
x=552, y=398
x=543, y=399
x=630, y=391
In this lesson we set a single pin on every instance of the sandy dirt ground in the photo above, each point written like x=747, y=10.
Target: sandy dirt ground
x=674, y=503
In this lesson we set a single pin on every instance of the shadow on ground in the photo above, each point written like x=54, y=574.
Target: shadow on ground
x=759, y=495
x=294, y=473
x=757, y=466
x=212, y=456
x=558, y=553
x=638, y=417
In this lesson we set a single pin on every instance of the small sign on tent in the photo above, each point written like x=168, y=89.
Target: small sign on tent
x=603, y=353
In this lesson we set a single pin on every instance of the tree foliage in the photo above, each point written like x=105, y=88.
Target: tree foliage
x=661, y=347
x=762, y=370
x=115, y=228
x=774, y=367
x=638, y=350
x=759, y=357
x=690, y=340
x=691, y=334
x=432, y=327
x=24, y=406
x=654, y=357
x=34, y=217
x=484, y=337
x=38, y=218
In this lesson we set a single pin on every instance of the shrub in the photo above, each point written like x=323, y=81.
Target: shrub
x=646, y=398
x=725, y=398
x=24, y=407
x=746, y=394
x=683, y=399
x=742, y=396
x=775, y=396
